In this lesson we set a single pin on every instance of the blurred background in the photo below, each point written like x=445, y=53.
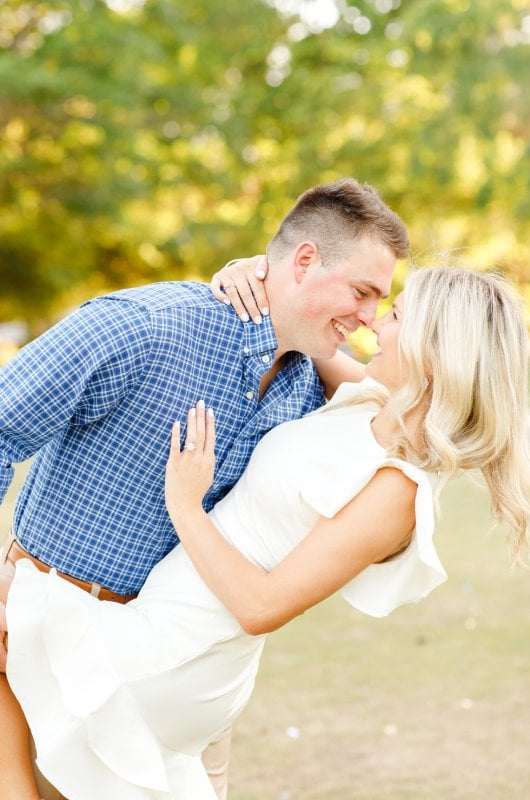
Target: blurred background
x=142, y=140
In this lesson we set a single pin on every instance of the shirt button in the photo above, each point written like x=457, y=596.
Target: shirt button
x=246, y=349
x=249, y=395
x=265, y=359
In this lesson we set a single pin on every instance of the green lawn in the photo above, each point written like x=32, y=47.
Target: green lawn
x=430, y=703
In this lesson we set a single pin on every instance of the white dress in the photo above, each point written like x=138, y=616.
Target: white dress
x=122, y=699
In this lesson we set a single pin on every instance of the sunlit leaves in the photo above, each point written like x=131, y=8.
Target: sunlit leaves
x=145, y=140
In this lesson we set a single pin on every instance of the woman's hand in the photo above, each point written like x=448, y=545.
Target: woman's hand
x=240, y=284
x=189, y=472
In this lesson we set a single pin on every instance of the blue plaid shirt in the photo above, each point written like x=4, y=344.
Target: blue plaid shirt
x=95, y=397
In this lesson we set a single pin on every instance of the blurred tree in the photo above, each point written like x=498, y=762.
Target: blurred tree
x=149, y=140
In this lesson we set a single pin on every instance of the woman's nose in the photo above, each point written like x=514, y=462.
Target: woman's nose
x=375, y=325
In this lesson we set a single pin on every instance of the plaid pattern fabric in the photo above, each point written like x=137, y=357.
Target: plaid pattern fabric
x=95, y=397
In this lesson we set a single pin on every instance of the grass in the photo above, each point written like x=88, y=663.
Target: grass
x=430, y=703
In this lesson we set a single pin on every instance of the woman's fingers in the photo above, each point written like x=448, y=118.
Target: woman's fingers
x=200, y=433
x=240, y=283
x=191, y=433
x=209, y=444
x=174, y=449
x=200, y=426
x=258, y=287
x=216, y=287
x=243, y=300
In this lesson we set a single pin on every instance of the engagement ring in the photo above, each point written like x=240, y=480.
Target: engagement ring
x=190, y=446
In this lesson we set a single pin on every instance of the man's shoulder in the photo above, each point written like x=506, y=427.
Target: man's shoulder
x=165, y=295
x=165, y=301
x=182, y=309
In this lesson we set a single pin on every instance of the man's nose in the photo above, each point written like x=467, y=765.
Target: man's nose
x=366, y=314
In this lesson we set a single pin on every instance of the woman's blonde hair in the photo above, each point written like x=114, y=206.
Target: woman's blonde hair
x=466, y=347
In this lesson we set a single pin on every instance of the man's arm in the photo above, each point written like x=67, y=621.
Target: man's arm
x=74, y=373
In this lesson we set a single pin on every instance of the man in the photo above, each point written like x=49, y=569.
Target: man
x=95, y=398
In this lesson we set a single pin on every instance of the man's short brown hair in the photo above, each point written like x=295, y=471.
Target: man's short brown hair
x=333, y=215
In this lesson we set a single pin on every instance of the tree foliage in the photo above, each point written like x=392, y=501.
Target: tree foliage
x=147, y=140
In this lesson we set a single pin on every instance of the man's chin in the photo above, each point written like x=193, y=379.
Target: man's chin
x=324, y=355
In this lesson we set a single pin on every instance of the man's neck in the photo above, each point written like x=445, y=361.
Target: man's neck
x=268, y=377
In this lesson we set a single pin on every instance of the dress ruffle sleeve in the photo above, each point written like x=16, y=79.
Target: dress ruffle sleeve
x=409, y=576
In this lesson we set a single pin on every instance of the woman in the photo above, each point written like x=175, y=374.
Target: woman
x=338, y=501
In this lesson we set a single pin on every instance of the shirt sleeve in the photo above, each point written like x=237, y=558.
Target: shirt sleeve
x=75, y=373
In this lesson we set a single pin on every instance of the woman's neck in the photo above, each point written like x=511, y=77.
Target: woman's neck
x=388, y=430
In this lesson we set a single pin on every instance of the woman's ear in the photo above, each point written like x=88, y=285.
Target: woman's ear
x=305, y=256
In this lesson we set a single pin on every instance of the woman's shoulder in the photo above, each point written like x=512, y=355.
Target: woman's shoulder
x=367, y=392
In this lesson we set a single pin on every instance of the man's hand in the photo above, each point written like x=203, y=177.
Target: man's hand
x=240, y=284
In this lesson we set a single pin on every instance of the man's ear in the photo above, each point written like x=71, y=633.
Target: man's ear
x=306, y=255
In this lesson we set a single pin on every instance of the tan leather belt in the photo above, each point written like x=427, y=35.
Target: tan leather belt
x=16, y=552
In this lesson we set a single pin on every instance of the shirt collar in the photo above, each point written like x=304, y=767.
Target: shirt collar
x=259, y=339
